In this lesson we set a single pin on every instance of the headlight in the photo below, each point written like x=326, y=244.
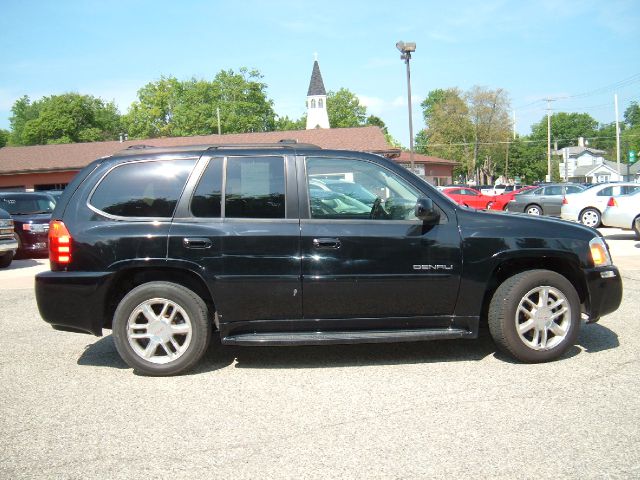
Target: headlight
x=599, y=252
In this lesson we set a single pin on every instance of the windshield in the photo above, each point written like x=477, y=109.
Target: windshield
x=19, y=205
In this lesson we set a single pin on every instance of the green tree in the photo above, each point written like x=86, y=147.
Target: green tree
x=448, y=131
x=286, y=123
x=632, y=115
x=4, y=137
x=65, y=118
x=169, y=107
x=566, y=128
x=527, y=160
x=344, y=109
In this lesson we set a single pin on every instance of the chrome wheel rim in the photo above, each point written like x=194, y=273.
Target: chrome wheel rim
x=533, y=211
x=543, y=318
x=159, y=331
x=590, y=218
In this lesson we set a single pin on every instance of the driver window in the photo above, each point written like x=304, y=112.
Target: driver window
x=357, y=189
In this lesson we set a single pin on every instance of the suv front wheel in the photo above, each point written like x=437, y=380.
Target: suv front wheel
x=535, y=316
x=161, y=328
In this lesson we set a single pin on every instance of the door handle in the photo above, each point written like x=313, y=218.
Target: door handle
x=193, y=242
x=333, y=243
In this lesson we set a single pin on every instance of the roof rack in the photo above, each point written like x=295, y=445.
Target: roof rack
x=139, y=147
x=285, y=143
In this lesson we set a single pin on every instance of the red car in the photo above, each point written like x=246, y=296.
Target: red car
x=469, y=197
x=499, y=202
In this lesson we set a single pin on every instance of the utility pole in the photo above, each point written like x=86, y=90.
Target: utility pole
x=549, y=100
x=514, y=124
x=218, y=113
x=615, y=100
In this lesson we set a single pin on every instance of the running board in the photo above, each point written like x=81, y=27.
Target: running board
x=351, y=336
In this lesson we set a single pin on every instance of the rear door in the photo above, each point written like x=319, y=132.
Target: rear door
x=373, y=259
x=239, y=229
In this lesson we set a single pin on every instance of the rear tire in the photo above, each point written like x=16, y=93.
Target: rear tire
x=535, y=316
x=533, y=209
x=6, y=259
x=590, y=217
x=161, y=328
x=636, y=227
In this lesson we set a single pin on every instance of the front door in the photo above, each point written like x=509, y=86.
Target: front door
x=364, y=253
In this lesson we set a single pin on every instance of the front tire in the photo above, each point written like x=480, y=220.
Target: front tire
x=590, y=217
x=535, y=316
x=161, y=328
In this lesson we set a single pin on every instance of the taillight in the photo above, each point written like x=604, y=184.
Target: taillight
x=59, y=243
x=612, y=202
x=565, y=201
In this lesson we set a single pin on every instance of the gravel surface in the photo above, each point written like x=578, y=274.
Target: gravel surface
x=72, y=409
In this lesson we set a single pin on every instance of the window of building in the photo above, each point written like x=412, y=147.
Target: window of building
x=320, y=103
x=142, y=189
x=255, y=187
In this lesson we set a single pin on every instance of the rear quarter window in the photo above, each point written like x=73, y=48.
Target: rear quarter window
x=142, y=189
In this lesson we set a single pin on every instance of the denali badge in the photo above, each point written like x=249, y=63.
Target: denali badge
x=433, y=267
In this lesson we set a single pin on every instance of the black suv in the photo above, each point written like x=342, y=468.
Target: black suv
x=259, y=245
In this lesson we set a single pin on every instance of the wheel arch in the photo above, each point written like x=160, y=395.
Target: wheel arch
x=127, y=279
x=567, y=266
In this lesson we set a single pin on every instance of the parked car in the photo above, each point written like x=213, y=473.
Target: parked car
x=31, y=213
x=623, y=212
x=544, y=200
x=169, y=246
x=8, y=242
x=587, y=206
x=469, y=197
x=501, y=201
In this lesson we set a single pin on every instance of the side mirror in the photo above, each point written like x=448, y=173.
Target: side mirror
x=425, y=210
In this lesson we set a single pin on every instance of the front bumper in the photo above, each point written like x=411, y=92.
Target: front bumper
x=604, y=287
x=73, y=301
x=8, y=245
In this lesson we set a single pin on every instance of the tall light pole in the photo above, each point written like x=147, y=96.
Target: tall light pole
x=406, y=49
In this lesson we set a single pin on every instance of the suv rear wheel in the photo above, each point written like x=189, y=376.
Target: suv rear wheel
x=535, y=316
x=161, y=328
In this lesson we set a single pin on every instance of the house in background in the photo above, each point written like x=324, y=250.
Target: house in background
x=436, y=171
x=582, y=164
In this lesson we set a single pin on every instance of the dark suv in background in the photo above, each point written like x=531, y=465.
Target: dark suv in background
x=31, y=213
x=290, y=244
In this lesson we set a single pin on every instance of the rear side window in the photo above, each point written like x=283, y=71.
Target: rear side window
x=142, y=189
x=255, y=187
x=207, y=199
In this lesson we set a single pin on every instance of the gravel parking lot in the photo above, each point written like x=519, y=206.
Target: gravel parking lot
x=73, y=409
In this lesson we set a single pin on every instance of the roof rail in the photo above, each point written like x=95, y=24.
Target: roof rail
x=285, y=143
x=139, y=147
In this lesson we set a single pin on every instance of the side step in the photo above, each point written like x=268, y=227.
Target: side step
x=350, y=336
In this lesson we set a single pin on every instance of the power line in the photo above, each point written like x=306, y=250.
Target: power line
x=462, y=144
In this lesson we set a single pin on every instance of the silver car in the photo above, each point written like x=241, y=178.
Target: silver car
x=544, y=200
x=624, y=212
x=587, y=206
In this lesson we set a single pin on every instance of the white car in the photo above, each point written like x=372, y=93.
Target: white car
x=587, y=206
x=624, y=212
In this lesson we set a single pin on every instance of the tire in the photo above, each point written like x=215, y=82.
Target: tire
x=489, y=205
x=533, y=209
x=6, y=259
x=590, y=217
x=530, y=334
x=159, y=320
x=636, y=227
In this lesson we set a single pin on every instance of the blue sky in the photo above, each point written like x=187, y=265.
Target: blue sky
x=532, y=49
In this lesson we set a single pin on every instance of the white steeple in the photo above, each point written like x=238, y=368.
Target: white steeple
x=317, y=116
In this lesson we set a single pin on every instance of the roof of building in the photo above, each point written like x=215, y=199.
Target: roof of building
x=587, y=169
x=316, y=85
x=74, y=156
x=405, y=157
x=577, y=151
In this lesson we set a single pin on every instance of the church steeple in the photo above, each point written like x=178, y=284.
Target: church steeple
x=317, y=116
